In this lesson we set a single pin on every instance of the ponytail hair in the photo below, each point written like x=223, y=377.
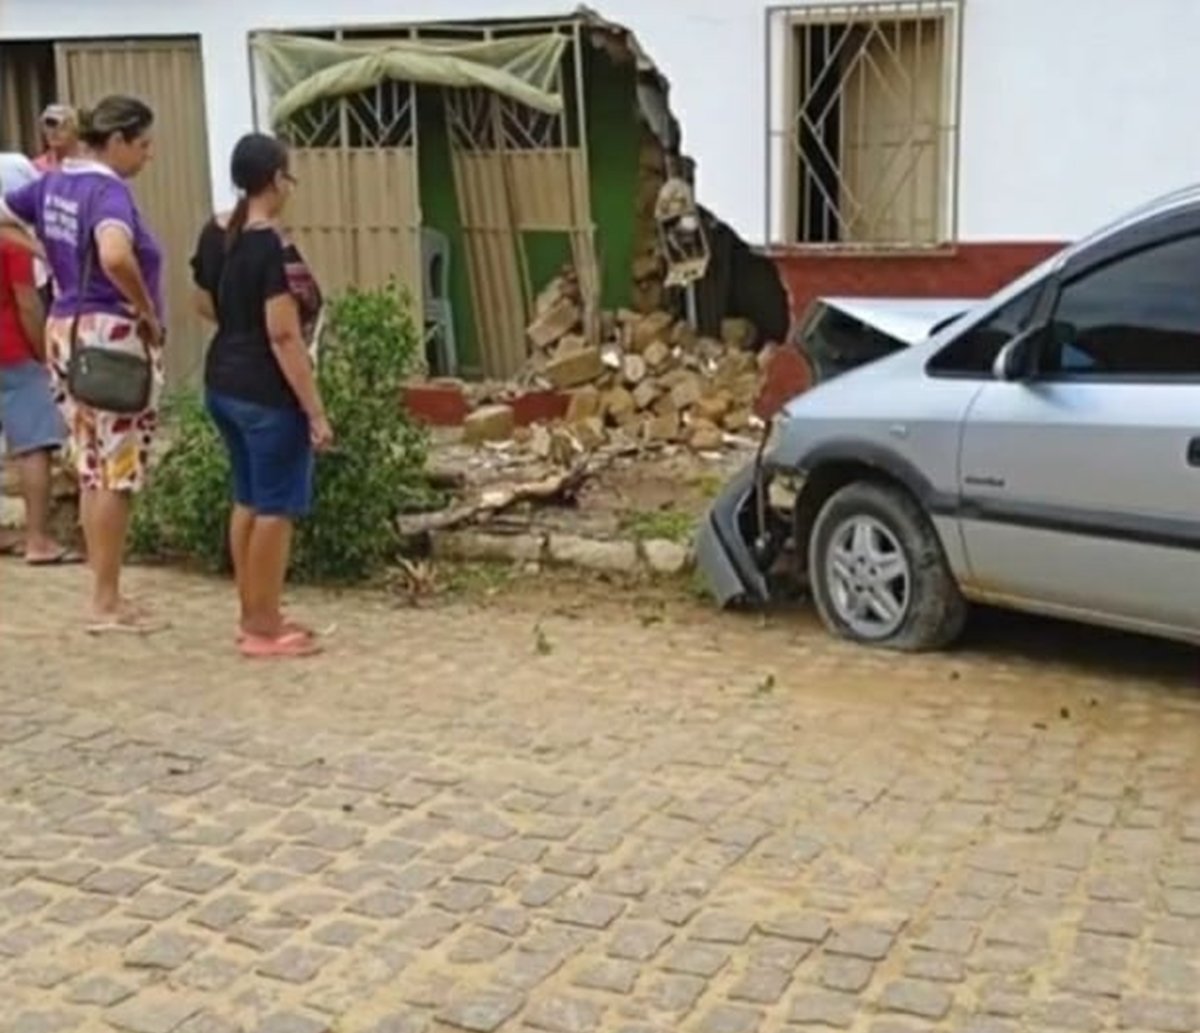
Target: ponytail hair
x=257, y=161
x=237, y=221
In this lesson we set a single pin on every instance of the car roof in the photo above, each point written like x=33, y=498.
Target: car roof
x=905, y=319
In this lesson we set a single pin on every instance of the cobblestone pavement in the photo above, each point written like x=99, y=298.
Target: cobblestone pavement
x=584, y=818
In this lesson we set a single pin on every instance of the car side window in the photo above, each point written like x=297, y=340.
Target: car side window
x=973, y=353
x=1137, y=316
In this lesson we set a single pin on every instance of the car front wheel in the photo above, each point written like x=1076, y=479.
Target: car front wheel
x=878, y=572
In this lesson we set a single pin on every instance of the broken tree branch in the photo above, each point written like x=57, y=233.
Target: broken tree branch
x=560, y=487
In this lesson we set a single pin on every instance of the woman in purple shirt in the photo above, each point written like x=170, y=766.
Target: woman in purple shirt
x=88, y=203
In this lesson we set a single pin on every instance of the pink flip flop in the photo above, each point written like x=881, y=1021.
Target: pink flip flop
x=291, y=644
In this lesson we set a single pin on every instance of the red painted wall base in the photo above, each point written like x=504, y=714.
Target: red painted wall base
x=966, y=271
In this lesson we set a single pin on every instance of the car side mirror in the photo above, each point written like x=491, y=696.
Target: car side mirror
x=1013, y=362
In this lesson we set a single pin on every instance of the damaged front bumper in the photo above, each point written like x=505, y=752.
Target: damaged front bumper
x=745, y=535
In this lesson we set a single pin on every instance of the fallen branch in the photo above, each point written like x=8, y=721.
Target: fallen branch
x=561, y=487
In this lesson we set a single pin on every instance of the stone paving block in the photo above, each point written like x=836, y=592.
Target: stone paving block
x=341, y=933
x=381, y=904
x=674, y=994
x=426, y=929
x=208, y=1022
x=848, y=975
x=568, y=862
x=803, y=927
x=761, y=986
x=478, y=946
x=100, y=991
x=1161, y=1015
x=491, y=871
x=937, y=968
x=462, y=898
x=41, y=1021
x=293, y=1022
x=221, y=913
x=156, y=905
x=526, y=969
x=406, y=1023
x=823, y=1009
x=210, y=973
x=23, y=939
x=545, y=889
x=1113, y=920
x=561, y=1013
x=617, y=977
x=199, y=878
x=916, y=997
x=67, y=873
x=947, y=936
x=863, y=941
x=162, y=950
x=730, y=1019
x=44, y=975
x=295, y=964
x=117, y=881
x=592, y=911
x=638, y=941
x=720, y=927
x=157, y=1011
x=696, y=959
x=507, y=920
x=481, y=1011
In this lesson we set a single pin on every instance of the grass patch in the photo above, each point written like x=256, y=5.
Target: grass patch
x=669, y=524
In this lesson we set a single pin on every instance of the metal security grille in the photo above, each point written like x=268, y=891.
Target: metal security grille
x=356, y=215
x=517, y=171
x=870, y=139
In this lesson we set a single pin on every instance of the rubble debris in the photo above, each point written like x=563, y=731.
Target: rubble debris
x=489, y=423
x=651, y=379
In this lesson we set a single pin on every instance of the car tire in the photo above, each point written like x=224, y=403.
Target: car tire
x=878, y=573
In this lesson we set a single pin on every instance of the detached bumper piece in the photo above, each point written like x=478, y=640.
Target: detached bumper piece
x=734, y=552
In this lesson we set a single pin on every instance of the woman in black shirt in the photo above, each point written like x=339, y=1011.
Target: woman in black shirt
x=261, y=390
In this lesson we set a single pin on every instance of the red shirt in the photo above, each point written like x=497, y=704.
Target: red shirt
x=16, y=270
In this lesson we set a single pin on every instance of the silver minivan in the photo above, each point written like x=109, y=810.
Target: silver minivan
x=1040, y=453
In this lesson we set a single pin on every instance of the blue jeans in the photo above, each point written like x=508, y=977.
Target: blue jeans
x=270, y=452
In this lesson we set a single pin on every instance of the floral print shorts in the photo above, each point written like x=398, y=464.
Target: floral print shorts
x=110, y=451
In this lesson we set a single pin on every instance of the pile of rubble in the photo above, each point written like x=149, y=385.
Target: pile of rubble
x=652, y=380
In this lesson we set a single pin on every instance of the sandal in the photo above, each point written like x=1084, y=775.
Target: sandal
x=294, y=628
x=291, y=644
x=126, y=624
x=62, y=558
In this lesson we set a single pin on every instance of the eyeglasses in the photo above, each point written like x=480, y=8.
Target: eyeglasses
x=291, y=179
x=52, y=122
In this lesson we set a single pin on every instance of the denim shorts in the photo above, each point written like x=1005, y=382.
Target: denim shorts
x=32, y=422
x=270, y=452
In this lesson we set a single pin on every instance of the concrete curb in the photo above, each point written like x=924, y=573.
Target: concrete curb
x=658, y=557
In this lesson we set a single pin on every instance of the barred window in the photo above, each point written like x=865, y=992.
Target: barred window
x=864, y=123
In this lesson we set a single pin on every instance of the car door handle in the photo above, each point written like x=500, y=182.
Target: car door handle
x=1193, y=452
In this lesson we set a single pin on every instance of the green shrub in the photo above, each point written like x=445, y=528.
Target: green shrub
x=375, y=472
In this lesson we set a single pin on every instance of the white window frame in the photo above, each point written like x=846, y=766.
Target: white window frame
x=782, y=188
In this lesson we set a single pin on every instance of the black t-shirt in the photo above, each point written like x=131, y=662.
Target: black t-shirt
x=241, y=280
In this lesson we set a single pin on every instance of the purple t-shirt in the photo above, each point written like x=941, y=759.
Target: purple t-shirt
x=85, y=195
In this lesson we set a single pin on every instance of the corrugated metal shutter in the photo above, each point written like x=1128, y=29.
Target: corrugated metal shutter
x=174, y=191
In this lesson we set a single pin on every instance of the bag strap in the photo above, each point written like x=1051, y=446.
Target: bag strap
x=86, y=247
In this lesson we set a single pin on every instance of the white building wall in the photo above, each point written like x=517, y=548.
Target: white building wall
x=1071, y=109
